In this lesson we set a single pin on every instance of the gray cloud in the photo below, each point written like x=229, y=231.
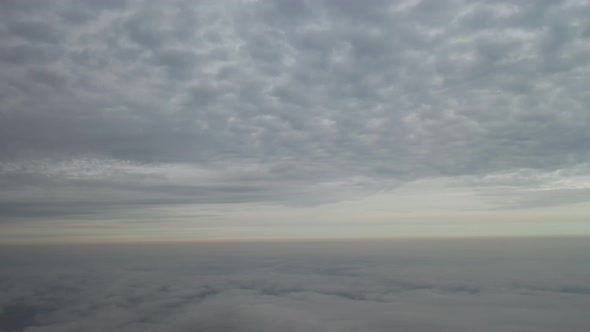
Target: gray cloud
x=452, y=285
x=388, y=91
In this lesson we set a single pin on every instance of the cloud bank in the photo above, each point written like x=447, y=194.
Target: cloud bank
x=466, y=285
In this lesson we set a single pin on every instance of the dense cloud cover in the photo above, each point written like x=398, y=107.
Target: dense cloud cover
x=109, y=105
x=426, y=285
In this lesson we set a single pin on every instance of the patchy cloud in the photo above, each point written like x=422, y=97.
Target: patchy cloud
x=306, y=95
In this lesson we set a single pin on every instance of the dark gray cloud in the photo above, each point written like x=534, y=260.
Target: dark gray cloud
x=427, y=285
x=306, y=92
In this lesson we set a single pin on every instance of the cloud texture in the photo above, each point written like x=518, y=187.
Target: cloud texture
x=118, y=104
x=450, y=285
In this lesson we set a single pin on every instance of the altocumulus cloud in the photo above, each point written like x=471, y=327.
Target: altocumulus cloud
x=113, y=105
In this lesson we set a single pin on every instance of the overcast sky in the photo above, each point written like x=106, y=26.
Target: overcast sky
x=254, y=119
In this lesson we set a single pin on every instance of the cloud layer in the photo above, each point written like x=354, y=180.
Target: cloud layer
x=460, y=285
x=281, y=101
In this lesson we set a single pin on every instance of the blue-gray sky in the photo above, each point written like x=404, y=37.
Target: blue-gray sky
x=232, y=119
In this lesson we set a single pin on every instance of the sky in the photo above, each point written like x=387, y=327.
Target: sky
x=206, y=120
